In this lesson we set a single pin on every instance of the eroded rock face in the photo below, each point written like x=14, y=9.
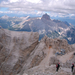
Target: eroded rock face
x=36, y=57
x=57, y=44
x=43, y=57
x=15, y=49
x=21, y=51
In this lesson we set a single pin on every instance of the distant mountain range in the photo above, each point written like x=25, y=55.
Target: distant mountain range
x=44, y=26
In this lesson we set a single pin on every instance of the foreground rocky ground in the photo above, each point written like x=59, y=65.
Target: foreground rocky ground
x=51, y=70
x=22, y=54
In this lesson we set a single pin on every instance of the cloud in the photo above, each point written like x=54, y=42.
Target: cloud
x=6, y=12
x=34, y=1
x=58, y=7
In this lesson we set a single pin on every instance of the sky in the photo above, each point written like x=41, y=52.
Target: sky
x=63, y=9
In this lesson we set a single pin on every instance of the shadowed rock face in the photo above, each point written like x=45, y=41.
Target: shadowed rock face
x=15, y=49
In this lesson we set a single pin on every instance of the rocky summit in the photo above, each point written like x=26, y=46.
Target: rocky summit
x=46, y=17
x=22, y=54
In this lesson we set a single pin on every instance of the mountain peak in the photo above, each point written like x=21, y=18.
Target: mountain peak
x=5, y=17
x=46, y=16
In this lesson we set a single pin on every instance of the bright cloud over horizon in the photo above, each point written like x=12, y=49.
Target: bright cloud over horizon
x=62, y=8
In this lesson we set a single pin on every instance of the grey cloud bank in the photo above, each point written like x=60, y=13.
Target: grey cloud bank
x=66, y=7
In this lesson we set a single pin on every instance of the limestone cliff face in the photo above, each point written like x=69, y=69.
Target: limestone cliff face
x=21, y=52
x=43, y=57
x=57, y=44
x=15, y=49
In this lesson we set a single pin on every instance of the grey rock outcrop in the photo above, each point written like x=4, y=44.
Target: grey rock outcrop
x=20, y=53
x=43, y=56
x=57, y=44
x=15, y=49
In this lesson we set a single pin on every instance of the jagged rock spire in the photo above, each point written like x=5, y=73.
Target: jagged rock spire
x=46, y=16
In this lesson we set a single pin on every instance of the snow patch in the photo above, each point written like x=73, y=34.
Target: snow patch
x=69, y=38
x=42, y=31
